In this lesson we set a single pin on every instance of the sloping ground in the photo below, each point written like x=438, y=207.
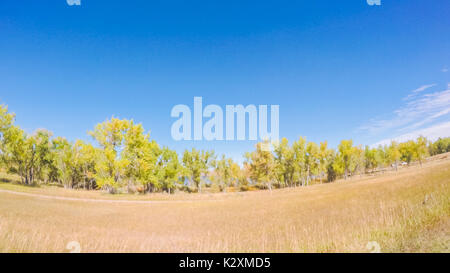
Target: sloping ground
x=434, y=237
x=405, y=211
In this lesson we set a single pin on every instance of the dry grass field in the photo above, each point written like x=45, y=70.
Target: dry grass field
x=404, y=211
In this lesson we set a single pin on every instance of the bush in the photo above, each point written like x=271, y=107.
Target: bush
x=331, y=173
x=244, y=188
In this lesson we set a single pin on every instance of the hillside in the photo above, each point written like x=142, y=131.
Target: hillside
x=404, y=211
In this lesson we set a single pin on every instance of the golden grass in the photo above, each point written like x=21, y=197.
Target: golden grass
x=338, y=217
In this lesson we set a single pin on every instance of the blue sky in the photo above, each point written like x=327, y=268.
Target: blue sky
x=338, y=69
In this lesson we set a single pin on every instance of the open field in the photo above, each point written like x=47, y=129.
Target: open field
x=404, y=211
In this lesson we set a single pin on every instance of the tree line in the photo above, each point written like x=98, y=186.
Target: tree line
x=126, y=159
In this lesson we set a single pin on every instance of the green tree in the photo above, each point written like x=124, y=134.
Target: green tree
x=284, y=163
x=324, y=158
x=6, y=119
x=370, y=158
x=26, y=155
x=393, y=154
x=140, y=157
x=238, y=176
x=333, y=167
x=262, y=165
x=358, y=160
x=110, y=167
x=223, y=175
x=420, y=150
x=65, y=161
x=381, y=156
x=170, y=169
x=345, y=157
x=196, y=164
x=299, y=158
x=312, y=161
x=85, y=155
x=407, y=151
x=440, y=146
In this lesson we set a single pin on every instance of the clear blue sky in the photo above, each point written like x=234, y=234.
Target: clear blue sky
x=338, y=69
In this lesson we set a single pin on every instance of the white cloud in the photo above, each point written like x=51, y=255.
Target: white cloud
x=423, y=88
x=418, y=111
x=431, y=118
x=431, y=133
x=415, y=92
x=445, y=69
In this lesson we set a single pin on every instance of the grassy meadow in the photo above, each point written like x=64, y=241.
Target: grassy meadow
x=404, y=211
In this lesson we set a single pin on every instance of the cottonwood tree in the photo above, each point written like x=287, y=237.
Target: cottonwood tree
x=128, y=158
x=393, y=154
x=64, y=161
x=223, y=175
x=345, y=156
x=262, y=165
x=74, y=163
x=84, y=160
x=26, y=155
x=407, y=151
x=420, y=150
x=196, y=164
x=358, y=160
x=239, y=176
x=284, y=163
x=370, y=158
x=6, y=121
x=440, y=146
x=110, y=167
x=332, y=166
x=299, y=154
x=140, y=157
x=381, y=157
x=338, y=165
x=312, y=161
x=324, y=159
x=170, y=169
x=17, y=153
